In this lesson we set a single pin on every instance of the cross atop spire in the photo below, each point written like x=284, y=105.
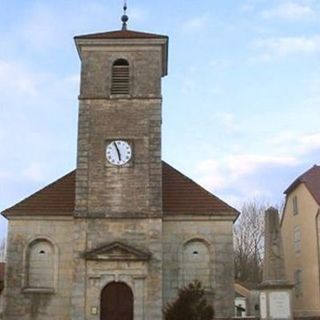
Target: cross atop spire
x=124, y=18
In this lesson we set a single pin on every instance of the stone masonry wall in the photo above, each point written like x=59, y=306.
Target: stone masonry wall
x=104, y=190
x=134, y=189
x=217, y=235
x=21, y=302
x=144, y=278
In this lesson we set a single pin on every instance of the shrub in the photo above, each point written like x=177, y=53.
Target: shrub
x=190, y=304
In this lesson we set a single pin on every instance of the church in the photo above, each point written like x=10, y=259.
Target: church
x=117, y=237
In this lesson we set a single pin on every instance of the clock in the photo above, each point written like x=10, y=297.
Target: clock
x=118, y=152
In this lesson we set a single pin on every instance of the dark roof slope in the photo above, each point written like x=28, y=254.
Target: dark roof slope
x=55, y=199
x=311, y=179
x=181, y=196
x=121, y=34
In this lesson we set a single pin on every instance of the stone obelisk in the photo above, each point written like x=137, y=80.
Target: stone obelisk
x=275, y=290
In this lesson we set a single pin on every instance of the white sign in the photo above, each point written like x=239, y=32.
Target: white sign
x=263, y=305
x=279, y=305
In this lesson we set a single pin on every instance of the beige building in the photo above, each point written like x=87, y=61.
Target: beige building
x=300, y=228
x=118, y=236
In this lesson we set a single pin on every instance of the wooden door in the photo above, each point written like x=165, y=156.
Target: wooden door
x=116, y=302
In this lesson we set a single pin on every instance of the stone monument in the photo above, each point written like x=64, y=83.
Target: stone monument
x=275, y=290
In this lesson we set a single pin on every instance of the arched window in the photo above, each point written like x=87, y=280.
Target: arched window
x=40, y=264
x=120, y=77
x=196, y=262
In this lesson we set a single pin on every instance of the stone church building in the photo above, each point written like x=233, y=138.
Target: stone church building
x=115, y=238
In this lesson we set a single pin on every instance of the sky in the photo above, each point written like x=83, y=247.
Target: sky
x=241, y=102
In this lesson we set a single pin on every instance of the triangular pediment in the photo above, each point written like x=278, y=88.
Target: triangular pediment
x=117, y=251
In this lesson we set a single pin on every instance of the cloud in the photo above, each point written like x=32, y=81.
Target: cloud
x=223, y=173
x=137, y=14
x=284, y=46
x=239, y=177
x=220, y=63
x=228, y=121
x=18, y=79
x=242, y=177
x=247, y=163
x=36, y=172
x=212, y=174
x=290, y=11
x=5, y=174
x=296, y=144
x=196, y=23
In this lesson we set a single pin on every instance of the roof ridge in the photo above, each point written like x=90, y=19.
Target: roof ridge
x=120, y=34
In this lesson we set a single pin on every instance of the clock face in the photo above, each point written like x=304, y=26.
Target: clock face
x=118, y=152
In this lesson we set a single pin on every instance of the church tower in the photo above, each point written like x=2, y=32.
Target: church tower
x=118, y=197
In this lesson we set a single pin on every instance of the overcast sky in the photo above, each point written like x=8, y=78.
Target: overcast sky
x=241, y=102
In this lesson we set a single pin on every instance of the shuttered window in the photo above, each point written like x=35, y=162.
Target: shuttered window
x=120, y=77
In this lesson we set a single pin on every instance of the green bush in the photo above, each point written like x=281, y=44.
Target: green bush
x=190, y=304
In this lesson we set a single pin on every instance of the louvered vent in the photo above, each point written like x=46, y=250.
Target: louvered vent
x=120, y=77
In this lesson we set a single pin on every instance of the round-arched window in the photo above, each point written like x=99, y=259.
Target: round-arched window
x=196, y=262
x=40, y=264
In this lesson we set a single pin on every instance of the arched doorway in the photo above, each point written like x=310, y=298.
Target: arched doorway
x=116, y=302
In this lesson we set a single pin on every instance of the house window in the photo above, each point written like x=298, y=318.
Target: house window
x=295, y=205
x=297, y=239
x=196, y=262
x=298, y=282
x=120, y=77
x=40, y=264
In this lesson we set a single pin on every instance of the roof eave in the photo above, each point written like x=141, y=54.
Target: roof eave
x=292, y=186
x=19, y=214
x=221, y=215
x=100, y=42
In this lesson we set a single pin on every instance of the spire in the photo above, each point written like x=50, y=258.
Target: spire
x=124, y=18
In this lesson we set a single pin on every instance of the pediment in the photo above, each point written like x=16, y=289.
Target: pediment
x=117, y=251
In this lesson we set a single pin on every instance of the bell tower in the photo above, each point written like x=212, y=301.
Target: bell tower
x=118, y=203
x=120, y=107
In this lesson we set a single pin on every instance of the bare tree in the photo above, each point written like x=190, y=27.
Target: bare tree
x=2, y=250
x=249, y=243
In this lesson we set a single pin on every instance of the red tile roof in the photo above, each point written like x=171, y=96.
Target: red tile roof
x=55, y=199
x=311, y=179
x=181, y=196
x=121, y=34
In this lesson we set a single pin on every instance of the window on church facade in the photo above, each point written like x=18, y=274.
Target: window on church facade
x=120, y=77
x=295, y=205
x=196, y=262
x=40, y=264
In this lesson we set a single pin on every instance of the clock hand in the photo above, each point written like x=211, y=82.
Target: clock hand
x=118, y=151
